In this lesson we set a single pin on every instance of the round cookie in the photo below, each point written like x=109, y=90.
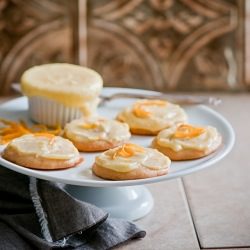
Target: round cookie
x=186, y=142
x=96, y=134
x=148, y=117
x=42, y=151
x=130, y=161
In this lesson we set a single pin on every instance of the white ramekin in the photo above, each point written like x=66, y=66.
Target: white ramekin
x=51, y=113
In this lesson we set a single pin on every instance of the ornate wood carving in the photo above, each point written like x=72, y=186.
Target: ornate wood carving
x=246, y=44
x=167, y=44
x=154, y=44
x=33, y=32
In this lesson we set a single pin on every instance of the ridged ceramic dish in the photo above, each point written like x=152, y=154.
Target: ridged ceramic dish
x=40, y=107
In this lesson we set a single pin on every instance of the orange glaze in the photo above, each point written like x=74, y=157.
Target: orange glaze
x=139, y=108
x=186, y=131
x=90, y=125
x=127, y=150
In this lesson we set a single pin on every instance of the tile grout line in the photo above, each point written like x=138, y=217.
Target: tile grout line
x=227, y=248
x=185, y=196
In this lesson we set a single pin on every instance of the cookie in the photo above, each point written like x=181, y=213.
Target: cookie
x=42, y=151
x=186, y=142
x=130, y=161
x=96, y=134
x=148, y=117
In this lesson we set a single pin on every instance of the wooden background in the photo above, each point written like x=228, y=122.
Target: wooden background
x=167, y=45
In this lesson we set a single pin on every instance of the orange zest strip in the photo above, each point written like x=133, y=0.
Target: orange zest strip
x=186, y=131
x=140, y=112
x=6, y=122
x=139, y=108
x=11, y=130
x=24, y=124
x=90, y=125
x=127, y=150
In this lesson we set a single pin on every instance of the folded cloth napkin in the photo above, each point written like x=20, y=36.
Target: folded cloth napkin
x=38, y=214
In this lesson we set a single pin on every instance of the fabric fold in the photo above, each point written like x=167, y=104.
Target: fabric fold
x=55, y=215
x=42, y=215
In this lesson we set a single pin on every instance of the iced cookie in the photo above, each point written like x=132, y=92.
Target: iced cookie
x=96, y=134
x=130, y=161
x=185, y=142
x=148, y=117
x=42, y=151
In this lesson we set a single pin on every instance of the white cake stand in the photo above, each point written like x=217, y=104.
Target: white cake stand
x=125, y=199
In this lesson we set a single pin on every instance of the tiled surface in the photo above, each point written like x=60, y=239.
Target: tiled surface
x=219, y=197
x=169, y=225
x=238, y=248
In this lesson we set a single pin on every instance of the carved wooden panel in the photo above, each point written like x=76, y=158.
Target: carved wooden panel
x=247, y=43
x=154, y=44
x=167, y=44
x=33, y=32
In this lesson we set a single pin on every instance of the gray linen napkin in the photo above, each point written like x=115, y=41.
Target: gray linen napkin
x=38, y=214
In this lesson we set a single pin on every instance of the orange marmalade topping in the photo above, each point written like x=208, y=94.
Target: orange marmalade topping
x=139, y=108
x=90, y=125
x=186, y=131
x=11, y=130
x=127, y=150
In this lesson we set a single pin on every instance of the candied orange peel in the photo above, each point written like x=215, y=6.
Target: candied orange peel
x=12, y=129
x=90, y=125
x=127, y=150
x=139, y=108
x=186, y=131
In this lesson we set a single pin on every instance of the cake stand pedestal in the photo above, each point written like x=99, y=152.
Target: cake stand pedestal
x=131, y=203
